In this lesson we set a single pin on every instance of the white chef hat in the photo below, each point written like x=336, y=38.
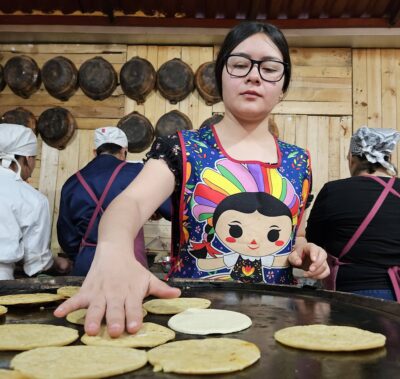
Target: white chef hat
x=110, y=134
x=16, y=140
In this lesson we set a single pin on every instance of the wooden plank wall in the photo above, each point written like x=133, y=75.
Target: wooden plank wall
x=376, y=90
x=330, y=87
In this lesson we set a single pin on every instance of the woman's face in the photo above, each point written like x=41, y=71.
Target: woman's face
x=250, y=97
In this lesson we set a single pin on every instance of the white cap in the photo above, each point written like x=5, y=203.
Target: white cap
x=110, y=134
x=16, y=140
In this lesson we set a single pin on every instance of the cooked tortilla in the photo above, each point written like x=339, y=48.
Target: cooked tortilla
x=11, y=374
x=78, y=362
x=3, y=310
x=204, y=356
x=329, y=338
x=173, y=306
x=68, y=291
x=29, y=298
x=209, y=321
x=78, y=316
x=149, y=335
x=30, y=336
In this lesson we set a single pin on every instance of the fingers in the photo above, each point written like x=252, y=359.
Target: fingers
x=295, y=259
x=115, y=315
x=94, y=315
x=161, y=289
x=134, y=314
x=72, y=304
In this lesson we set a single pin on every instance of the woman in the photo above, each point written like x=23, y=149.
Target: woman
x=357, y=219
x=201, y=169
x=24, y=212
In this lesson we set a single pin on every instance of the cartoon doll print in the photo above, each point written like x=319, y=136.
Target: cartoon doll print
x=254, y=220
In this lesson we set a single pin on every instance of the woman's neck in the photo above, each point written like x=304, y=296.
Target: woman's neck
x=378, y=172
x=247, y=141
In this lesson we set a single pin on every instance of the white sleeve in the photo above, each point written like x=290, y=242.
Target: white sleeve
x=6, y=271
x=36, y=238
x=230, y=259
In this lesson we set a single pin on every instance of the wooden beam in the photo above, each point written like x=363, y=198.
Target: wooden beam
x=194, y=22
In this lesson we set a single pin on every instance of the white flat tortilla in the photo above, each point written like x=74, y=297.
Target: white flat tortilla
x=209, y=321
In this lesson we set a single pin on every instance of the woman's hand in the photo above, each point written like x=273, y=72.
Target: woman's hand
x=310, y=258
x=115, y=288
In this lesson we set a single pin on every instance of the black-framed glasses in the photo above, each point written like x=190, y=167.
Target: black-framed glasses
x=270, y=70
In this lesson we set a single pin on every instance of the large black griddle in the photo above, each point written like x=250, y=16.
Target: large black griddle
x=271, y=308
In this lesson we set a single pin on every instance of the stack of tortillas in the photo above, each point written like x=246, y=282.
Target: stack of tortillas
x=329, y=338
x=205, y=356
x=78, y=362
x=176, y=305
x=30, y=336
x=29, y=298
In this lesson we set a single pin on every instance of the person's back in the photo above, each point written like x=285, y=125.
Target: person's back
x=24, y=211
x=77, y=206
x=357, y=220
x=343, y=204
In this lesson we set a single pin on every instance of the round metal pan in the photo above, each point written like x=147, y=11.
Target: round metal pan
x=271, y=308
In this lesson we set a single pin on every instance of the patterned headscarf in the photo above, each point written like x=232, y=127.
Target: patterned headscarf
x=375, y=145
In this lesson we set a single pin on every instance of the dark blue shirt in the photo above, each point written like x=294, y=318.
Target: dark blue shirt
x=77, y=207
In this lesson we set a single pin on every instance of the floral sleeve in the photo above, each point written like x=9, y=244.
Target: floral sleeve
x=169, y=150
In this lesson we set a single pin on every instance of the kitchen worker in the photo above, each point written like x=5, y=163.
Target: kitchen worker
x=24, y=212
x=87, y=193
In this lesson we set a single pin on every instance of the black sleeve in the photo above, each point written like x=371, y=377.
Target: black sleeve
x=317, y=221
x=169, y=150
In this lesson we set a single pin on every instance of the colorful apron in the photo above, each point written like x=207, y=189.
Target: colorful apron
x=139, y=248
x=238, y=220
x=335, y=262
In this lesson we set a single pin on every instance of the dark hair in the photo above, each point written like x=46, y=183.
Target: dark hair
x=249, y=202
x=108, y=148
x=243, y=31
x=363, y=164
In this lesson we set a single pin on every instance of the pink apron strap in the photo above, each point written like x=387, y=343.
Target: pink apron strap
x=99, y=203
x=140, y=250
x=394, y=275
x=334, y=262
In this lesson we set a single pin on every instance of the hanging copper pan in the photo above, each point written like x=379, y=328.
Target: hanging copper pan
x=214, y=119
x=20, y=116
x=137, y=78
x=97, y=78
x=172, y=122
x=175, y=80
x=60, y=77
x=139, y=131
x=22, y=75
x=205, y=83
x=2, y=81
x=56, y=126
